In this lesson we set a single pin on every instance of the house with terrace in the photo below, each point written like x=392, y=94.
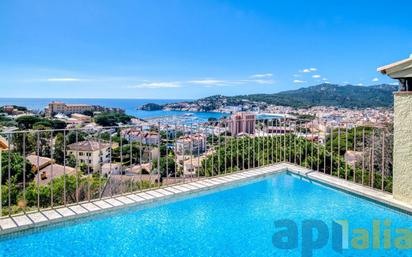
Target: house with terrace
x=92, y=153
x=46, y=169
x=191, y=144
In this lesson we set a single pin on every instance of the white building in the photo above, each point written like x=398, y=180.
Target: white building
x=191, y=144
x=144, y=137
x=92, y=153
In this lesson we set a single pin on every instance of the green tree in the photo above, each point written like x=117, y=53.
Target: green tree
x=27, y=121
x=111, y=118
x=167, y=166
x=18, y=167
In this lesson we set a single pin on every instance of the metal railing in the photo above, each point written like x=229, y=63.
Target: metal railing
x=49, y=168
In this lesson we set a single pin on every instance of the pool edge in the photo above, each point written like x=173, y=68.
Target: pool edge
x=22, y=222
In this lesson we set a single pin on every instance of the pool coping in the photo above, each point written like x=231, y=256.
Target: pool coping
x=34, y=219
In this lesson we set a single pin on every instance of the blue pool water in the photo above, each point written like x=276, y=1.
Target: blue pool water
x=237, y=221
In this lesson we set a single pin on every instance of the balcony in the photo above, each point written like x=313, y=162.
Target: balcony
x=40, y=174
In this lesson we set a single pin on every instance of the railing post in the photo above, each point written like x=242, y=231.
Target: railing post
x=191, y=151
x=276, y=141
x=272, y=154
x=354, y=149
x=324, y=148
x=225, y=126
x=300, y=143
x=331, y=150
x=296, y=137
x=290, y=141
x=338, y=150
x=213, y=151
x=346, y=150
x=199, y=145
x=177, y=153
x=64, y=168
x=383, y=160
x=1, y=179
x=109, y=176
x=9, y=172
x=38, y=172
x=24, y=171
x=373, y=159
x=306, y=146
x=237, y=154
x=158, y=159
x=363, y=155
x=130, y=164
x=311, y=150
x=51, y=168
x=318, y=147
x=77, y=166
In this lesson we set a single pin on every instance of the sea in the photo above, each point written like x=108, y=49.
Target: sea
x=129, y=105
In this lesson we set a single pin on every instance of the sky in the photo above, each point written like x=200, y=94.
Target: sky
x=187, y=49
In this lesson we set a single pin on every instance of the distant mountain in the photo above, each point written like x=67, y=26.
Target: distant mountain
x=349, y=96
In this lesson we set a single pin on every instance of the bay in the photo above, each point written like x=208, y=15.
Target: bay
x=129, y=105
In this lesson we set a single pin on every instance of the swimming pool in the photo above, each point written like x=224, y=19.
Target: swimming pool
x=237, y=221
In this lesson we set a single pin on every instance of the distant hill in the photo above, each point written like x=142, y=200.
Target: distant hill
x=348, y=96
x=328, y=95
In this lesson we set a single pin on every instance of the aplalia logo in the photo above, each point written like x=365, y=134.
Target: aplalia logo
x=339, y=235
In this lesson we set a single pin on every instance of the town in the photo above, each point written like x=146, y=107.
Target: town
x=109, y=152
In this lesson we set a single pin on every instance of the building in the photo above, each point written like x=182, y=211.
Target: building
x=11, y=110
x=60, y=107
x=402, y=148
x=81, y=117
x=353, y=157
x=56, y=107
x=92, y=153
x=191, y=144
x=46, y=170
x=150, y=154
x=242, y=122
x=279, y=129
x=402, y=71
x=191, y=166
x=111, y=168
x=144, y=137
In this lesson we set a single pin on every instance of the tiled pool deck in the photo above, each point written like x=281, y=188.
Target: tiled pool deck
x=59, y=214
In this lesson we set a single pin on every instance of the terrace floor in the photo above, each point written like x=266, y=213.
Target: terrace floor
x=59, y=214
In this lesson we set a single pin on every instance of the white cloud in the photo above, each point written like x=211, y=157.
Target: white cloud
x=324, y=79
x=375, y=80
x=299, y=81
x=360, y=84
x=258, y=79
x=316, y=76
x=207, y=82
x=265, y=75
x=154, y=85
x=307, y=70
x=63, y=79
x=263, y=81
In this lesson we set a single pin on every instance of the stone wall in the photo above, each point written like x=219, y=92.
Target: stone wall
x=402, y=156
